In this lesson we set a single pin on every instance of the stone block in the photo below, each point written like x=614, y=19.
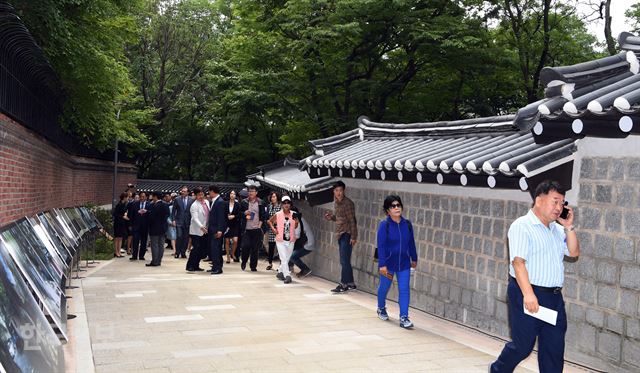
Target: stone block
x=628, y=302
x=632, y=328
x=613, y=220
x=454, y=205
x=586, y=243
x=477, y=244
x=456, y=241
x=589, y=218
x=595, y=317
x=466, y=297
x=603, y=193
x=459, y=260
x=514, y=210
x=491, y=268
x=474, y=206
x=438, y=237
x=439, y=308
x=608, y=272
x=498, y=229
x=607, y=296
x=587, y=337
x=633, y=170
x=498, y=250
x=575, y=312
x=455, y=292
x=444, y=290
x=476, y=225
x=470, y=262
x=439, y=257
x=587, y=292
x=446, y=220
x=479, y=301
x=487, y=247
x=486, y=227
x=632, y=223
x=425, y=200
x=630, y=277
x=602, y=168
x=437, y=219
x=586, y=267
x=455, y=222
x=624, y=250
x=604, y=246
x=467, y=243
x=480, y=265
x=497, y=209
x=586, y=168
x=631, y=353
x=586, y=192
x=428, y=218
x=448, y=257
x=616, y=171
x=615, y=323
x=464, y=205
x=570, y=288
x=485, y=208
x=502, y=311
x=624, y=195
x=483, y=284
x=610, y=345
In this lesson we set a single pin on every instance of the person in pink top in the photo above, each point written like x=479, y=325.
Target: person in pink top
x=283, y=225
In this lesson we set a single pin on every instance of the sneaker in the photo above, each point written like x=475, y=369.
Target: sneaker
x=382, y=314
x=340, y=289
x=243, y=266
x=405, y=322
x=280, y=276
x=287, y=280
x=304, y=273
x=351, y=287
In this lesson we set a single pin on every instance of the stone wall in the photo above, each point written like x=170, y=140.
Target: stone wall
x=463, y=260
x=35, y=175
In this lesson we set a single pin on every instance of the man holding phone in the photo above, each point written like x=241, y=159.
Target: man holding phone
x=538, y=243
x=344, y=214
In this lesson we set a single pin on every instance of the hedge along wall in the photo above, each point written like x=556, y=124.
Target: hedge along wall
x=463, y=257
x=36, y=175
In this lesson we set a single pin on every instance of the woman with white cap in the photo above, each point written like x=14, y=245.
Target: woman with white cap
x=283, y=225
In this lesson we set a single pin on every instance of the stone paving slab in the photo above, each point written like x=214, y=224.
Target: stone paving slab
x=162, y=319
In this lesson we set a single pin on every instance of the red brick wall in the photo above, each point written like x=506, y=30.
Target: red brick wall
x=35, y=175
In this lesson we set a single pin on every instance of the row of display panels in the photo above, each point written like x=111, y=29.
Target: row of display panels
x=36, y=259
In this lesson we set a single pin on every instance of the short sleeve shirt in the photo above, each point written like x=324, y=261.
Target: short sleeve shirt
x=542, y=248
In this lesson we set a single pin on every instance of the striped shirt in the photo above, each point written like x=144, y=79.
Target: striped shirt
x=543, y=250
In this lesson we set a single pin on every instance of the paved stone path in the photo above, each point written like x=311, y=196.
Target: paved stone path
x=161, y=319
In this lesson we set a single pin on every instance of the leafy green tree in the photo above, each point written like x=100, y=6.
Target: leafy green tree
x=85, y=42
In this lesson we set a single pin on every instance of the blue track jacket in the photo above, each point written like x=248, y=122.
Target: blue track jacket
x=396, y=245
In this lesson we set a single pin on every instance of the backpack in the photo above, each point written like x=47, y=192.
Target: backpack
x=386, y=226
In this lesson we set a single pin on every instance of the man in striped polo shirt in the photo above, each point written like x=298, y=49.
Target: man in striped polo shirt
x=538, y=243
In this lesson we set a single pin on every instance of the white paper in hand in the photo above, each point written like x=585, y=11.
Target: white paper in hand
x=545, y=314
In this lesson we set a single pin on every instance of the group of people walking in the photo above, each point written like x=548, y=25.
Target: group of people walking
x=538, y=242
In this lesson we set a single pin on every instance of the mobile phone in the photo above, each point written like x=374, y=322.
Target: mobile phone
x=565, y=211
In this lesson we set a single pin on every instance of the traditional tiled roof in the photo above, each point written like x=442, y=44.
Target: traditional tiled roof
x=598, y=98
x=288, y=177
x=168, y=186
x=481, y=152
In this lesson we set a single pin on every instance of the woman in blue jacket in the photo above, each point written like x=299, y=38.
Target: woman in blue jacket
x=396, y=255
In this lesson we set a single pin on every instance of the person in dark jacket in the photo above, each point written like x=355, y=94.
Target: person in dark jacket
x=181, y=219
x=138, y=214
x=158, y=214
x=119, y=224
x=396, y=256
x=216, y=226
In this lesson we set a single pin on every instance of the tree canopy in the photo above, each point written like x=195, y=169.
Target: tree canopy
x=209, y=89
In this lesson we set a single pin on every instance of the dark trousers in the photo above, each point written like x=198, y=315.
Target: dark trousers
x=139, y=244
x=344, y=243
x=157, y=249
x=272, y=250
x=215, y=252
x=251, y=242
x=199, y=247
x=295, y=258
x=182, y=240
x=525, y=329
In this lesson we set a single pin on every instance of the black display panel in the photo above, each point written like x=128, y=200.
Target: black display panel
x=38, y=276
x=71, y=222
x=28, y=343
x=49, y=243
x=50, y=259
x=89, y=217
x=63, y=249
x=60, y=231
x=66, y=229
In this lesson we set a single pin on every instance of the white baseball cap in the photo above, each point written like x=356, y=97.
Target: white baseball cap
x=286, y=198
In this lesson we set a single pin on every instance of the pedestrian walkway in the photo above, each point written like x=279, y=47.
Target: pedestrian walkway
x=162, y=319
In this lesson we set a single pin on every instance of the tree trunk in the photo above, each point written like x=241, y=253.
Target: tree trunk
x=611, y=43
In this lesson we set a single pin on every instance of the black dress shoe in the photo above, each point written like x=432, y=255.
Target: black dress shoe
x=218, y=272
x=254, y=270
x=209, y=270
x=243, y=266
x=133, y=258
x=198, y=269
x=176, y=256
x=236, y=260
x=152, y=265
x=183, y=256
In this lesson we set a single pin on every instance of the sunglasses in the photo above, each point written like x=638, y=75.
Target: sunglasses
x=396, y=205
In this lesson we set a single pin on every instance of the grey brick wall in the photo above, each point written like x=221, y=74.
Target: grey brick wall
x=463, y=260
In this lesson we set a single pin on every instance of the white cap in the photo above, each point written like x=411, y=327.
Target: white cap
x=286, y=198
